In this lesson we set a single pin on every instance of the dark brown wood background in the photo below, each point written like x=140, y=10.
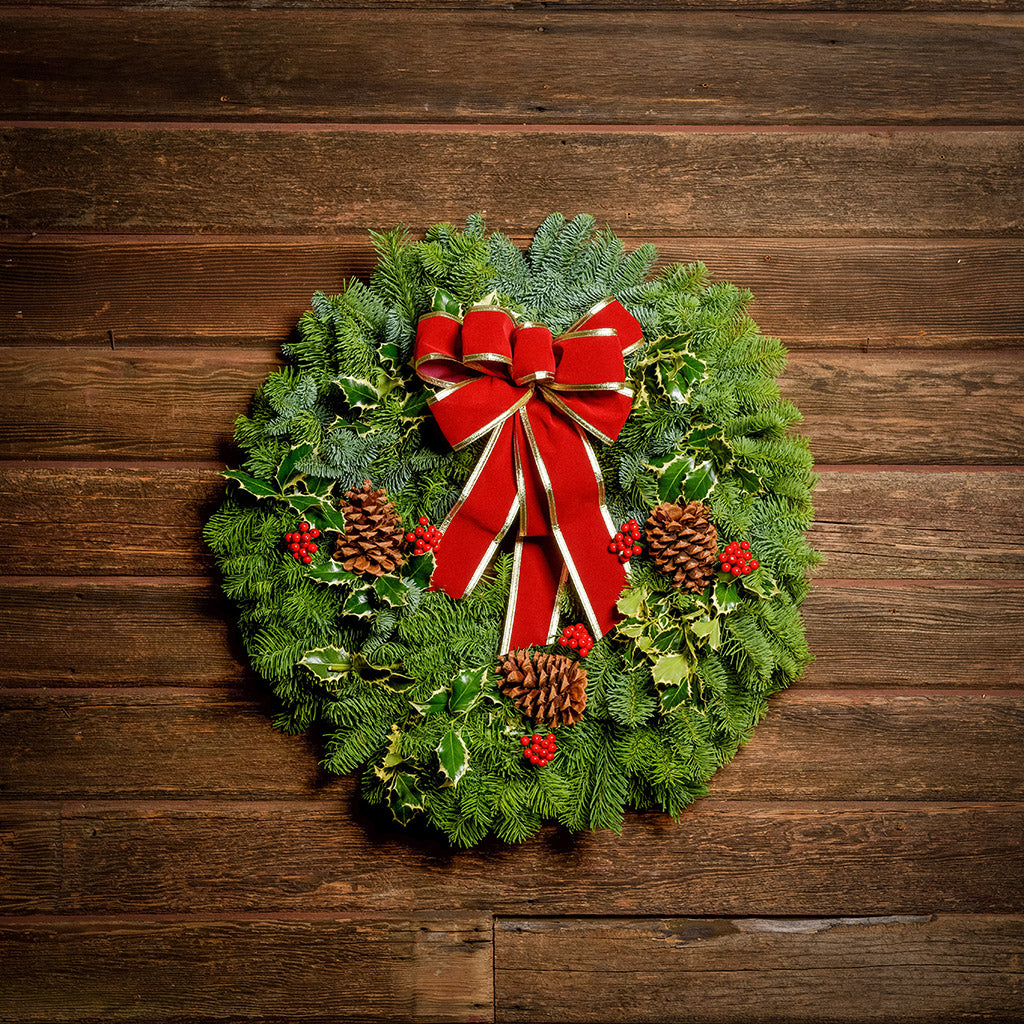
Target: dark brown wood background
x=176, y=180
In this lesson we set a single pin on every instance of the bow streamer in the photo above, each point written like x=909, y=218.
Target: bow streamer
x=535, y=398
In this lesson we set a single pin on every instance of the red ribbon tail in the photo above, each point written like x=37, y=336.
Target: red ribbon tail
x=538, y=574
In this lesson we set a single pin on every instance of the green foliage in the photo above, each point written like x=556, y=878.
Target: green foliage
x=399, y=679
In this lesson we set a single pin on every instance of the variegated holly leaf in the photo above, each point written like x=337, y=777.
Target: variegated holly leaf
x=673, y=696
x=334, y=574
x=444, y=302
x=670, y=471
x=760, y=582
x=251, y=484
x=467, y=689
x=453, y=757
x=287, y=474
x=359, y=604
x=672, y=669
x=420, y=568
x=725, y=598
x=406, y=799
x=329, y=664
x=359, y=393
x=434, y=704
x=709, y=630
x=700, y=480
x=393, y=590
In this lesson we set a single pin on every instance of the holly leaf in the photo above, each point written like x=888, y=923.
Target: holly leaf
x=286, y=472
x=328, y=664
x=359, y=393
x=748, y=480
x=406, y=799
x=467, y=689
x=420, y=568
x=631, y=602
x=452, y=757
x=325, y=517
x=677, y=376
x=709, y=630
x=725, y=598
x=333, y=574
x=392, y=590
x=359, y=604
x=672, y=670
x=671, y=471
x=700, y=480
x=445, y=302
x=674, y=696
x=435, y=703
x=250, y=484
x=414, y=407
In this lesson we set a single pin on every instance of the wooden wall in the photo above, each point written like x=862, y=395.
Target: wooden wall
x=177, y=178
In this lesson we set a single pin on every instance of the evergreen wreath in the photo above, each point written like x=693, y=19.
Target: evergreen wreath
x=410, y=685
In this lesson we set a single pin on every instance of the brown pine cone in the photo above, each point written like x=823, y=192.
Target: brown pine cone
x=548, y=688
x=683, y=543
x=373, y=537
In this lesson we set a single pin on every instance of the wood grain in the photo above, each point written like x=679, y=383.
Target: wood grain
x=725, y=857
x=314, y=968
x=900, y=969
x=556, y=67
x=30, y=857
x=154, y=744
x=813, y=293
x=86, y=632
x=667, y=182
x=137, y=520
x=181, y=403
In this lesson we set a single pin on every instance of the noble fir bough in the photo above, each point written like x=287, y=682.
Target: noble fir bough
x=335, y=535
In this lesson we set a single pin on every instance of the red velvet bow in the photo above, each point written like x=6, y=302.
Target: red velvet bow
x=535, y=398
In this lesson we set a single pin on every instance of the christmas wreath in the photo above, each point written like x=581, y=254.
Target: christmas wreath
x=522, y=532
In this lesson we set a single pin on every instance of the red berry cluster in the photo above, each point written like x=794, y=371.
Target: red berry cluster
x=738, y=560
x=577, y=638
x=301, y=545
x=425, y=537
x=539, y=750
x=624, y=543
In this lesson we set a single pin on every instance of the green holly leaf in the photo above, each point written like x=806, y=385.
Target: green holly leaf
x=467, y=688
x=252, y=485
x=333, y=574
x=453, y=757
x=725, y=598
x=435, y=703
x=359, y=393
x=329, y=664
x=287, y=476
x=631, y=602
x=359, y=604
x=709, y=630
x=748, y=480
x=674, y=696
x=671, y=471
x=712, y=440
x=444, y=302
x=326, y=517
x=672, y=670
x=392, y=590
x=406, y=799
x=414, y=407
x=420, y=568
x=700, y=480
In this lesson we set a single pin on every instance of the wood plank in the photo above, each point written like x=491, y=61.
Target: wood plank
x=139, y=632
x=311, y=968
x=814, y=293
x=30, y=857
x=138, y=520
x=178, y=632
x=893, y=523
x=545, y=5
x=906, y=969
x=326, y=179
x=938, y=745
x=726, y=857
x=181, y=403
x=372, y=66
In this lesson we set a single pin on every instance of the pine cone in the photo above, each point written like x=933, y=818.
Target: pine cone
x=548, y=688
x=373, y=538
x=683, y=543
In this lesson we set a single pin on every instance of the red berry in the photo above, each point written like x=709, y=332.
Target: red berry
x=736, y=571
x=525, y=740
x=410, y=537
x=296, y=555
x=418, y=532
x=542, y=762
x=745, y=544
x=314, y=533
x=304, y=527
x=313, y=549
x=754, y=565
x=623, y=559
x=424, y=520
x=746, y=570
x=306, y=559
x=293, y=547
